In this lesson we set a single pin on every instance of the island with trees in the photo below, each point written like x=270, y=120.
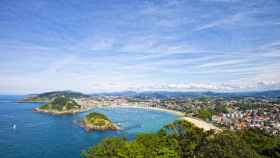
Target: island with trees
x=60, y=105
x=97, y=122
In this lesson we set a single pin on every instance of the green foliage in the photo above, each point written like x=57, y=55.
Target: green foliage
x=55, y=94
x=144, y=146
x=44, y=107
x=221, y=108
x=158, y=146
x=246, y=105
x=204, y=114
x=264, y=144
x=226, y=145
x=203, y=99
x=49, y=96
x=95, y=115
x=188, y=136
x=62, y=103
x=109, y=148
x=182, y=139
x=36, y=99
x=97, y=119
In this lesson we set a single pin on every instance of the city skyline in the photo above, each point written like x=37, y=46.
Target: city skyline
x=94, y=46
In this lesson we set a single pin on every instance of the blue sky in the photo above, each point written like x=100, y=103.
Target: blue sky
x=115, y=45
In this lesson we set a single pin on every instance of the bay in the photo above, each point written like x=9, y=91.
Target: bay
x=38, y=135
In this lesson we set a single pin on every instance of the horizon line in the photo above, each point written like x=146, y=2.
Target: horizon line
x=143, y=91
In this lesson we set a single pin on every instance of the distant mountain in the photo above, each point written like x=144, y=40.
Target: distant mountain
x=49, y=96
x=122, y=93
x=272, y=93
x=168, y=94
x=70, y=94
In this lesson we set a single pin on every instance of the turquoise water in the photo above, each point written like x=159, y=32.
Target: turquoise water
x=40, y=135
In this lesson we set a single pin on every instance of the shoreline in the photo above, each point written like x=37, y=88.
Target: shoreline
x=55, y=112
x=181, y=116
x=90, y=128
x=177, y=113
x=202, y=124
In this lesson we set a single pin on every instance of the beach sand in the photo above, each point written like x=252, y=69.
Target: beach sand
x=177, y=113
x=197, y=122
x=201, y=124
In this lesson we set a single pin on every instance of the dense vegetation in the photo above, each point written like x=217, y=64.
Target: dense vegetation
x=61, y=103
x=204, y=114
x=50, y=96
x=221, y=108
x=55, y=94
x=96, y=121
x=97, y=118
x=183, y=140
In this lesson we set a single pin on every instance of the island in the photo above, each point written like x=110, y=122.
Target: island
x=60, y=105
x=50, y=96
x=97, y=121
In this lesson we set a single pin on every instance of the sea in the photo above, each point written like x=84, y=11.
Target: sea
x=26, y=134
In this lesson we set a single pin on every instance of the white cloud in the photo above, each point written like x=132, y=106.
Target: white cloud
x=229, y=20
x=239, y=19
x=223, y=63
x=219, y=87
x=155, y=45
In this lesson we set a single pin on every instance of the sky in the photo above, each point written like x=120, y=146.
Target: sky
x=117, y=45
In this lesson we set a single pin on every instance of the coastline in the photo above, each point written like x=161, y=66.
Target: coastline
x=181, y=116
x=177, y=113
x=89, y=128
x=202, y=124
x=55, y=112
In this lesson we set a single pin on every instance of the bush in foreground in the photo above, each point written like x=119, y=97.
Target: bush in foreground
x=182, y=139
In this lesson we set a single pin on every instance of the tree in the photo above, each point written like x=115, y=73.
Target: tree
x=188, y=136
x=108, y=148
x=204, y=114
x=144, y=146
x=226, y=145
x=182, y=139
x=221, y=107
x=264, y=144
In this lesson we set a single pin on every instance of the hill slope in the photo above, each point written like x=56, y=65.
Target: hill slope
x=49, y=96
x=60, y=105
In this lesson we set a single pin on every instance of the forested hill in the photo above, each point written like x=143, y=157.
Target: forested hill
x=70, y=94
x=49, y=96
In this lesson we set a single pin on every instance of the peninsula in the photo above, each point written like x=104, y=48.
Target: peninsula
x=50, y=96
x=97, y=121
x=60, y=105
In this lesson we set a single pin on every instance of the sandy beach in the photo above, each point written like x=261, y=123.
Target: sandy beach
x=197, y=122
x=177, y=113
x=202, y=124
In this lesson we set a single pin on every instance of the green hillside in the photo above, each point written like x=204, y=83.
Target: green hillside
x=61, y=104
x=49, y=96
x=97, y=121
